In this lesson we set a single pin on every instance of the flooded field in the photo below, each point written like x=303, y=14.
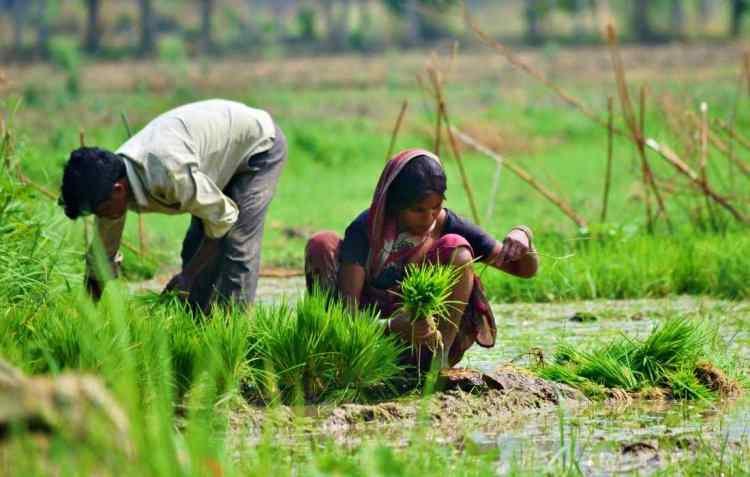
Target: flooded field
x=613, y=437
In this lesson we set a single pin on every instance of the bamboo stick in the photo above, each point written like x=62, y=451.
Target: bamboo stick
x=82, y=143
x=732, y=133
x=516, y=61
x=608, y=173
x=704, y=140
x=746, y=62
x=636, y=131
x=141, y=224
x=644, y=164
x=723, y=148
x=443, y=111
x=534, y=73
x=704, y=160
x=493, y=191
x=438, y=127
x=396, y=129
x=523, y=175
x=684, y=169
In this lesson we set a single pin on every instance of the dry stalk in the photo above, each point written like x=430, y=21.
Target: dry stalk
x=566, y=208
x=493, y=191
x=82, y=143
x=635, y=128
x=721, y=146
x=443, y=111
x=141, y=225
x=608, y=173
x=692, y=121
x=645, y=168
x=684, y=169
x=704, y=140
x=514, y=60
x=704, y=159
x=732, y=133
x=746, y=68
x=396, y=129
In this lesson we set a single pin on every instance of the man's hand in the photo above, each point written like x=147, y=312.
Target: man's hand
x=515, y=246
x=93, y=286
x=180, y=283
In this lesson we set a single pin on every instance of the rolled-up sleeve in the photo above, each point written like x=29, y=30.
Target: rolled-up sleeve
x=218, y=212
x=195, y=193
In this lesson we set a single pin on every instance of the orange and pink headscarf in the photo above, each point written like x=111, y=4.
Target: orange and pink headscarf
x=381, y=228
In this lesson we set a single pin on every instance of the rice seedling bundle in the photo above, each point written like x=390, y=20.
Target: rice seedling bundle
x=426, y=289
x=672, y=358
x=425, y=295
x=321, y=350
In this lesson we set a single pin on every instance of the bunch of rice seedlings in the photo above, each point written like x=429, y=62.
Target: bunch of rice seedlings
x=671, y=358
x=320, y=350
x=671, y=346
x=425, y=295
x=426, y=289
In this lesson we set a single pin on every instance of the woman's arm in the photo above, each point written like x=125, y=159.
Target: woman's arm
x=351, y=281
x=516, y=254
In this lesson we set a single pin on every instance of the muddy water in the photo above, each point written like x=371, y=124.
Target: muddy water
x=600, y=439
x=609, y=438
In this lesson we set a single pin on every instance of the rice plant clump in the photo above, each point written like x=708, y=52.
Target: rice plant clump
x=426, y=289
x=320, y=350
x=673, y=358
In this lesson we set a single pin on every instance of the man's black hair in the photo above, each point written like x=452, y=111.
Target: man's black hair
x=88, y=179
x=419, y=178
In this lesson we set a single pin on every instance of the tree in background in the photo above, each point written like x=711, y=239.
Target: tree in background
x=420, y=27
x=336, y=15
x=42, y=28
x=148, y=29
x=19, y=11
x=92, y=42
x=534, y=11
x=640, y=21
x=207, y=17
x=739, y=8
x=677, y=18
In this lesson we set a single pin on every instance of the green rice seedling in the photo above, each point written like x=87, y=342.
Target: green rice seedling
x=567, y=353
x=685, y=385
x=426, y=290
x=605, y=368
x=561, y=374
x=667, y=360
x=425, y=295
x=318, y=350
x=674, y=344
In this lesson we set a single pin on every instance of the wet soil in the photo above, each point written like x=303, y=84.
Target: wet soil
x=527, y=420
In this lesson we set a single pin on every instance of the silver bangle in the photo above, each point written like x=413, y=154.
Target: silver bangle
x=527, y=231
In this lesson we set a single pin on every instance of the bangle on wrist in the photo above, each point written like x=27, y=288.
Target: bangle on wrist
x=527, y=231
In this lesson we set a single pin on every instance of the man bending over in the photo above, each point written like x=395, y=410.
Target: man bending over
x=217, y=160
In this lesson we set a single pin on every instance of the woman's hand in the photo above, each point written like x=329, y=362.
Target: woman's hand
x=516, y=245
x=420, y=332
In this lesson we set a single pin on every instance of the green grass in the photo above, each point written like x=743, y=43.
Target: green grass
x=668, y=359
x=338, y=136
